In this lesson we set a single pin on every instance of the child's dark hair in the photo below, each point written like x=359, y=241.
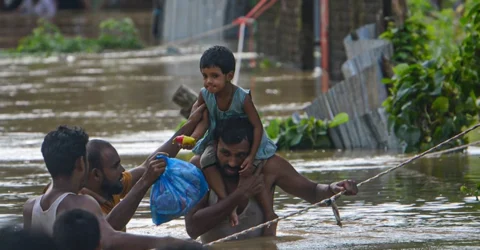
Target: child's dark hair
x=77, y=230
x=218, y=56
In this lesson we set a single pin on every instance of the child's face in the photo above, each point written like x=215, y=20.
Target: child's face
x=214, y=80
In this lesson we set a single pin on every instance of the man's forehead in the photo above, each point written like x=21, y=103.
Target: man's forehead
x=243, y=146
x=109, y=156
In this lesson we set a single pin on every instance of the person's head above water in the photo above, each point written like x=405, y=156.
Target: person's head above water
x=105, y=167
x=234, y=137
x=217, y=66
x=77, y=229
x=64, y=153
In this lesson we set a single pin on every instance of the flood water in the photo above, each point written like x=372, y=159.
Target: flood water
x=127, y=100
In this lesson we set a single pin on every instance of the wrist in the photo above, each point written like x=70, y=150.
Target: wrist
x=330, y=189
x=323, y=191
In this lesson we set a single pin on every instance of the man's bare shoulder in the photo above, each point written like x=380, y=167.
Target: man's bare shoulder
x=85, y=202
x=28, y=206
x=274, y=164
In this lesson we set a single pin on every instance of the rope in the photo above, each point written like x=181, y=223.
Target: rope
x=453, y=149
x=331, y=200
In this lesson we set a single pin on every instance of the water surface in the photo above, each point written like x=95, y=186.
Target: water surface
x=126, y=98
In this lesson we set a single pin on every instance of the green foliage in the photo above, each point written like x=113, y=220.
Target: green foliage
x=426, y=107
x=119, y=35
x=434, y=100
x=306, y=133
x=410, y=42
x=295, y=133
x=442, y=26
x=47, y=38
x=471, y=191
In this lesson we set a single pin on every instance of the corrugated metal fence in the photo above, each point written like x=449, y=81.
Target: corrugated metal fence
x=360, y=95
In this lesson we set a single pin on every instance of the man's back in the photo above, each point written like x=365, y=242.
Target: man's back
x=77, y=229
x=40, y=213
x=43, y=219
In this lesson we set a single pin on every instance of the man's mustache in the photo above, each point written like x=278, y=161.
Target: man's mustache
x=226, y=166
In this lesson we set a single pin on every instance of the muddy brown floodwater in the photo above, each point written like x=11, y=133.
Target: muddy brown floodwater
x=126, y=99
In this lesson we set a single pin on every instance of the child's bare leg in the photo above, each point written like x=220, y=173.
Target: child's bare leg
x=195, y=160
x=214, y=178
x=265, y=200
x=266, y=203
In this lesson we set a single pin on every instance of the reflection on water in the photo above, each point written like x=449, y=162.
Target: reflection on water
x=125, y=98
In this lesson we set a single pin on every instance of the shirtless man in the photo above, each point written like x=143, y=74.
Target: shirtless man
x=64, y=153
x=209, y=218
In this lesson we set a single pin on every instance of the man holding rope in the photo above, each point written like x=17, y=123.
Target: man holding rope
x=208, y=219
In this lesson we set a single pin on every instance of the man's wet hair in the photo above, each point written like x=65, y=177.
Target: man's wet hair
x=95, y=148
x=218, y=56
x=234, y=130
x=13, y=238
x=62, y=147
x=77, y=229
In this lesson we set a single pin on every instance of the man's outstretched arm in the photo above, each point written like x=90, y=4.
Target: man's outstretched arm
x=124, y=211
x=168, y=147
x=290, y=181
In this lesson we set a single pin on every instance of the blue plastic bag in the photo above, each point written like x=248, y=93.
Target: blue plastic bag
x=176, y=191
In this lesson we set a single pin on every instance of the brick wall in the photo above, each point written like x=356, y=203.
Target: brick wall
x=278, y=32
x=345, y=17
x=287, y=34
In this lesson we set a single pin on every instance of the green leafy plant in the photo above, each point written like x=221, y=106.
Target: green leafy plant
x=409, y=42
x=432, y=101
x=443, y=28
x=299, y=133
x=47, y=38
x=119, y=35
x=306, y=133
x=426, y=108
x=471, y=191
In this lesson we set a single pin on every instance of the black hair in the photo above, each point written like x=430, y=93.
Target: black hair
x=234, y=130
x=12, y=238
x=77, y=229
x=95, y=148
x=218, y=56
x=62, y=147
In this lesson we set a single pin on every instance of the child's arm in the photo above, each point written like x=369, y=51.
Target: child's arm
x=199, y=102
x=254, y=119
x=202, y=126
